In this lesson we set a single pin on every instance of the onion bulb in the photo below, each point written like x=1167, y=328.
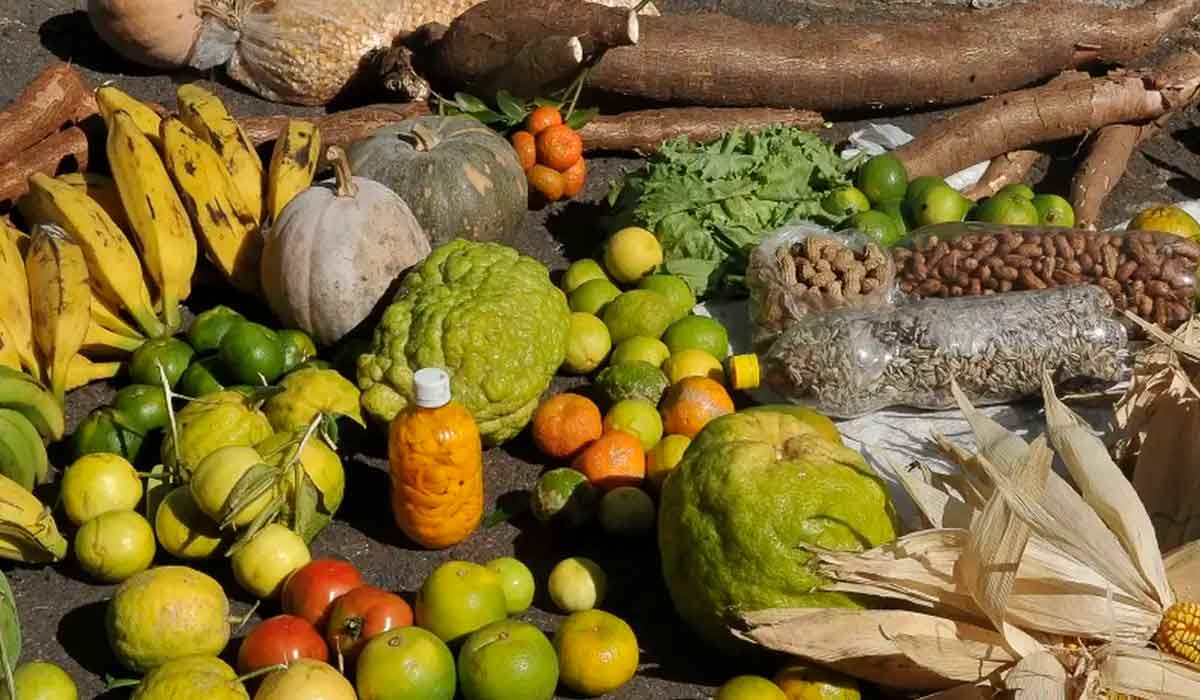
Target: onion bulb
x=155, y=33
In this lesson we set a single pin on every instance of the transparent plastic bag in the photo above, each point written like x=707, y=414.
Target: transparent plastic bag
x=850, y=363
x=1148, y=273
x=805, y=268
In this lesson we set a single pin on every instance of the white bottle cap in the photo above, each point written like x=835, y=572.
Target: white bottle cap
x=432, y=386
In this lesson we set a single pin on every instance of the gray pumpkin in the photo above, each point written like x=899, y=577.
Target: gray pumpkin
x=460, y=178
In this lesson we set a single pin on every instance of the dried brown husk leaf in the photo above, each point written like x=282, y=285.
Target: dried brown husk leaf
x=1145, y=673
x=1040, y=676
x=893, y=648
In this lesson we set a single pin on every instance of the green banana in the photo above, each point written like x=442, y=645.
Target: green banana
x=28, y=532
x=23, y=394
x=22, y=453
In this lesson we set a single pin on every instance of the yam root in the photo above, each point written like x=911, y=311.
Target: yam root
x=1003, y=170
x=1019, y=119
x=645, y=130
x=717, y=60
x=528, y=47
x=62, y=151
x=56, y=97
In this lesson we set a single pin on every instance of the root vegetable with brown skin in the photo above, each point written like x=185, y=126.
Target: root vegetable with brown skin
x=1102, y=168
x=63, y=151
x=1003, y=170
x=56, y=97
x=1017, y=120
x=722, y=61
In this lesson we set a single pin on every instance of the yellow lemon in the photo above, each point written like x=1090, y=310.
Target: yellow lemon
x=693, y=363
x=664, y=457
x=804, y=683
x=631, y=254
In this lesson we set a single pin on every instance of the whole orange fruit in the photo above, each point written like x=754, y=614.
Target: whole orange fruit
x=616, y=459
x=565, y=424
x=541, y=118
x=689, y=405
x=547, y=181
x=574, y=178
x=559, y=147
x=597, y=652
x=526, y=148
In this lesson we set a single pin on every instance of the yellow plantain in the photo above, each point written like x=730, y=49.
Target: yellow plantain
x=103, y=343
x=102, y=189
x=83, y=371
x=231, y=242
x=105, y=316
x=28, y=532
x=156, y=215
x=116, y=271
x=293, y=164
x=111, y=100
x=8, y=350
x=14, y=299
x=205, y=114
x=58, y=271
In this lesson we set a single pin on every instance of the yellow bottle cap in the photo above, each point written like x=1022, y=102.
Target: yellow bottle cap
x=744, y=372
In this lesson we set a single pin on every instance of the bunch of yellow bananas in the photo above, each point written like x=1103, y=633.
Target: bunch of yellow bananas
x=112, y=258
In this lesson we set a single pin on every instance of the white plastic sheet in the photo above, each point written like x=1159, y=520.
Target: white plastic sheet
x=877, y=139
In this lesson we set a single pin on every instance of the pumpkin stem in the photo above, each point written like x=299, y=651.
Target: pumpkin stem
x=336, y=155
x=422, y=138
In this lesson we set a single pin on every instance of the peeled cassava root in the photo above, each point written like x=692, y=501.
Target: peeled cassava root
x=722, y=61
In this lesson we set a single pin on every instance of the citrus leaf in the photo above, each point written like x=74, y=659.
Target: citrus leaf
x=470, y=103
x=261, y=394
x=487, y=116
x=307, y=498
x=268, y=516
x=257, y=480
x=509, y=105
x=329, y=426
x=580, y=117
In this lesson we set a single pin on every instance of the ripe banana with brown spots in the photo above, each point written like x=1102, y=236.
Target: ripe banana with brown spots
x=157, y=217
x=15, y=313
x=111, y=100
x=293, y=164
x=205, y=114
x=58, y=270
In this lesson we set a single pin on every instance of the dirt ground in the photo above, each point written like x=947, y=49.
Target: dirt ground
x=63, y=615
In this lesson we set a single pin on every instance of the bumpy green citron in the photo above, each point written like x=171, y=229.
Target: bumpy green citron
x=191, y=676
x=751, y=488
x=222, y=418
x=166, y=613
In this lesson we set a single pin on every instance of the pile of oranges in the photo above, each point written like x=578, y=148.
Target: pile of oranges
x=551, y=154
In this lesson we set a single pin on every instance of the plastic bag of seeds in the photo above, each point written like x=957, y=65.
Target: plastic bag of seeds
x=1148, y=273
x=804, y=268
x=849, y=363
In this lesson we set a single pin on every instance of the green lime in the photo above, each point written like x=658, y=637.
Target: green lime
x=637, y=312
x=846, y=201
x=1054, y=211
x=677, y=291
x=592, y=296
x=640, y=348
x=639, y=418
x=507, y=660
x=876, y=224
x=626, y=510
x=405, y=663
x=297, y=347
x=173, y=354
x=1018, y=190
x=697, y=333
x=588, y=344
x=101, y=432
x=940, y=204
x=564, y=495
x=882, y=177
x=917, y=187
x=581, y=271
x=41, y=680
x=1010, y=210
x=210, y=327
x=251, y=354
x=895, y=208
x=143, y=406
x=200, y=378
x=517, y=581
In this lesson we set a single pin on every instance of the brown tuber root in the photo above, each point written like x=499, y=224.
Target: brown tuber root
x=528, y=47
x=644, y=131
x=56, y=97
x=1017, y=120
x=339, y=128
x=63, y=151
x=1102, y=168
x=1003, y=170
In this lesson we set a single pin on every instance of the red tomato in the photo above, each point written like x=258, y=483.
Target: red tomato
x=280, y=640
x=362, y=614
x=310, y=591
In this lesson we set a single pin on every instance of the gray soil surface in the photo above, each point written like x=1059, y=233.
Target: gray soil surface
x=63, y=614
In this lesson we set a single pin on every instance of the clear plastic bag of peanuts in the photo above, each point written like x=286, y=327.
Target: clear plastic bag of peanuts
x=1148, y=273
x=849, y=363
x=805, y=268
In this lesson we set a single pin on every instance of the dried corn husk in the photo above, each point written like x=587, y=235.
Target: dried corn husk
x=308, y=52
x=1037, y=566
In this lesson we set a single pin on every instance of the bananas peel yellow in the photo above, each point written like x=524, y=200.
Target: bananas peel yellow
x=82, y=371
x=14, y=299
x=28, y=532
x=231, y=239
x=156, y=215
x=111, y=99
x=293, y=164
x=61, y=314
x=102, y=189
x=110, y=319
x=113, y=265
x=8, y=350
x=205, y=114
x=101, y=342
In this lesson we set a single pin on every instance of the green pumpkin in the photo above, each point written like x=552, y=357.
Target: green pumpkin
x=460, y=178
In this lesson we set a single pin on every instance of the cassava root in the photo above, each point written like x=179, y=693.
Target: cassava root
x=1020, y=119
x=718, y=60
x=1004, y=170
x=62, y=151
x=57, y=97
x=1102, y=168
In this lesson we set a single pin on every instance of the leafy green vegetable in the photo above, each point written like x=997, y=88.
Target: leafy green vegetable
x=710, y=204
